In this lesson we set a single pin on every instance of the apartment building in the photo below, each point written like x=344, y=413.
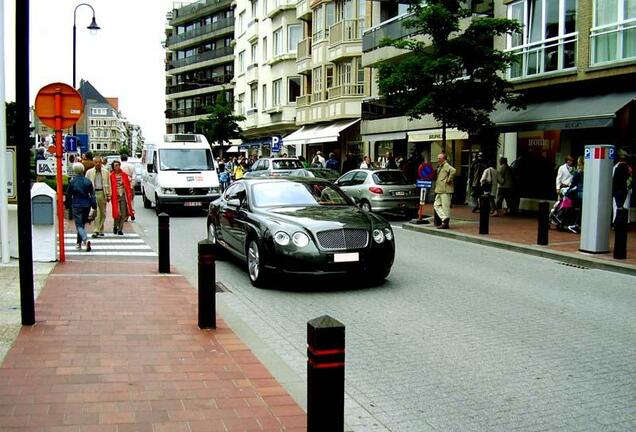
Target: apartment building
x=577, y=68
x=266, y=81
x=199, y=60
x=333, y=80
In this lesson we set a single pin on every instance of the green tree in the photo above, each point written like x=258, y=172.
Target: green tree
x=221, y=124
x=457, y=77
x=124, y=150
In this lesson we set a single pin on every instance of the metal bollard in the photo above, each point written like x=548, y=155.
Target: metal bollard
x=207, y=282
x=164, y=243
x=325, y=374
x=543, y=223
x=620, y=234
x=484, y=213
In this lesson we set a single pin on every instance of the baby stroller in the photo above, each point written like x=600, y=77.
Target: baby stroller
x=563, y=213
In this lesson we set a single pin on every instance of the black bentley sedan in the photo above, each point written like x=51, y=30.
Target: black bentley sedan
x=303, y=226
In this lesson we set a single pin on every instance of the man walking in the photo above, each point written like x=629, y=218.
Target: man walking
x=98, y=175
x=444, y=188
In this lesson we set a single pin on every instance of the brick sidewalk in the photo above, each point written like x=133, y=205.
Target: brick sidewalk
x=116, y=348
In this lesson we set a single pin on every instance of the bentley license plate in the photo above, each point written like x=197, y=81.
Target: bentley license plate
x=346, y=257
x=193, y=204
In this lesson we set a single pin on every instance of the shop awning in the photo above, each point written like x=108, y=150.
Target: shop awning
x=578, y=113
x=389, y=136
x=233, y=149
x=321, y=133
x=436, y=135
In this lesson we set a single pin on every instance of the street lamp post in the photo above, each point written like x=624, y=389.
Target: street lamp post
x=93, y=27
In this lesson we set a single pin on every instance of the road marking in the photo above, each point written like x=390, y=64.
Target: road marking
x=131, y=245
x=109, y=253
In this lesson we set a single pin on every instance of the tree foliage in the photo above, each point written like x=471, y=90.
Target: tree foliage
x=221, y=125
x=458, y=77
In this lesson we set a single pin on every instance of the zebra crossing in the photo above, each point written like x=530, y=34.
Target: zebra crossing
x=130, y=244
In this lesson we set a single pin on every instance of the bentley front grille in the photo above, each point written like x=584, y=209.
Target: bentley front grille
x=343, y=239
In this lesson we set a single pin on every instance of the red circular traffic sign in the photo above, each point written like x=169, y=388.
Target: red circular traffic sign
x=58, y=101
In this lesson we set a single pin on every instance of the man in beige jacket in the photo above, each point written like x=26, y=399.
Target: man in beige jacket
x=444, y=188
x=99, y=176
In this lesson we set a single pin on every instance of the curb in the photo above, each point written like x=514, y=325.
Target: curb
x=540, y=251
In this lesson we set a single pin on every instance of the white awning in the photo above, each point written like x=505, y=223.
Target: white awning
x=317, y=134
x=233, y=149
x=389, y=136
x=436, y=135
x=232, y=142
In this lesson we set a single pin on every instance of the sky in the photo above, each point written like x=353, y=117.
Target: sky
x=124, y=59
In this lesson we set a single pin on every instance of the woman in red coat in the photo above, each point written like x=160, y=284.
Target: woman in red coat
x=122, y=197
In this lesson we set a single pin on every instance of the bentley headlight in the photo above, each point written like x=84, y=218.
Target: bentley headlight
x=388, y=234
x=378, y=236
x=281, y=238
x=169, y=191
x=300, y=239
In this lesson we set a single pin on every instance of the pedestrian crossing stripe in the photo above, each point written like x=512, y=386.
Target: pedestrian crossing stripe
x=73, y=235
x=110, y=241
x=97, y=246
x=110, y=253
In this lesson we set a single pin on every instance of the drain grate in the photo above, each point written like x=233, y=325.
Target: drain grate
x=574, y=265
x=220, y=287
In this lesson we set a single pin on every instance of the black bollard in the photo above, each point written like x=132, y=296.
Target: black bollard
x=207, y=285
x=620, y=234
x=484, y=213
x=164, y=243
x=543, y=223
x=325, y=374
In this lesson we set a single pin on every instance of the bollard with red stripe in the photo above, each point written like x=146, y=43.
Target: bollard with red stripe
x=325, y=374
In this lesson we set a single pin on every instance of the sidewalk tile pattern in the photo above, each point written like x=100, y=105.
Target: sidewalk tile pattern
x=124, y=354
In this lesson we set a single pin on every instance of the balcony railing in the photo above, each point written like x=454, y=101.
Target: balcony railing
x=346, y=90
x=280, y=5
x=302, y=101
x=551, y=55
x=390, y=29
x=302, y=9
x=613, y=42
x=195, y=7
x=185, y=112
x=304, y=49
x=345, y=31
x=214, y=81
x=199, y=31
x=210, y=55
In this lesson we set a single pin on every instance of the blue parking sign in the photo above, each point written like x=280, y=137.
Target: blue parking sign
x=611, y=154
x=588, y=153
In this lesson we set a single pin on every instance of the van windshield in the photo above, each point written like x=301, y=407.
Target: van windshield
x=185, y=160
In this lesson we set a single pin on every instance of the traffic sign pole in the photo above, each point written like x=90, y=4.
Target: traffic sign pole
x=58, y=175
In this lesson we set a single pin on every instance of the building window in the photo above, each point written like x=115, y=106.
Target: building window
x=278, y=42
x=253, y=96
x=264, y=101
x=254, y=9
x=241, y=62
x=241, y=22
x=240, y=107
x=614, y=32
x=264, y=48
x=276, y=92
x=293, y=88
x=253, y=49
x=548, y=40
x=294, y=33
x=329, y=76
x=316, y=80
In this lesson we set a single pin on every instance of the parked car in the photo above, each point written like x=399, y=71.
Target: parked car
x=303, y=226
x=324, y=173
x=138, y=173
x=380, y=190
x=265, y=167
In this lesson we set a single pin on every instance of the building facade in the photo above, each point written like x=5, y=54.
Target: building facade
x=266, y=82
x=333, y=80
x=199, y=60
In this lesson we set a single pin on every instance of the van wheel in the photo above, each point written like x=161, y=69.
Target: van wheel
x=147, y=203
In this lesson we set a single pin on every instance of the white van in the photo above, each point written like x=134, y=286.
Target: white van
x=179, y=172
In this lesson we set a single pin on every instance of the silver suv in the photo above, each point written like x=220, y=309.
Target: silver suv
x=265, y=167
x=380, y=190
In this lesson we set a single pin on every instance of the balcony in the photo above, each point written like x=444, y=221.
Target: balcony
x=345, y=31
x=184, y=13
x=199, y=58
x=544, y=57
x=280, y=6
x=303, y=12
x=302, y=101
x=613, y=43
x=251, y=73
x=201, y=84
x=185, y=112
x=390, y=29
x=252, y=30
x=345, y=90
x=303, y=56
x=206, y=30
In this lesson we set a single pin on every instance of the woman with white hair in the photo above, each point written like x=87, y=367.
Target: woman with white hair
x=81, y=197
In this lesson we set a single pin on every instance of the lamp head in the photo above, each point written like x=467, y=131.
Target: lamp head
x=93, y=27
